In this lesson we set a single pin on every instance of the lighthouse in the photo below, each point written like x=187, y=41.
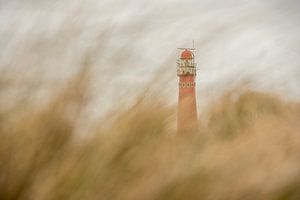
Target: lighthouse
x=187, y=106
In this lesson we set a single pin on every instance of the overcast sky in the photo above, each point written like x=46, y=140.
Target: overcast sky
x=129, y=43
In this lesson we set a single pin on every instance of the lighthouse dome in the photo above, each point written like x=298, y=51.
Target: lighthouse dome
x=187, y=54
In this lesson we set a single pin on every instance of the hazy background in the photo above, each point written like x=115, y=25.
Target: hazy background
x=88, y=93
x=128, y=44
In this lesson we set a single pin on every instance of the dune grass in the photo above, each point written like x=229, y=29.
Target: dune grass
x=248, y=149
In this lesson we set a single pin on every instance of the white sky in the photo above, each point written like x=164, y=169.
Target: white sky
x=129, y=43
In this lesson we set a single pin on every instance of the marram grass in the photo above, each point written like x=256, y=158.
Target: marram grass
x=249, y=148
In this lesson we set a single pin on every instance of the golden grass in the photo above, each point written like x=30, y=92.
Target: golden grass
x=249, y=149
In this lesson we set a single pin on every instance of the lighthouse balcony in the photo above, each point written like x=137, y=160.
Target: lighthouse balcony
x=181, y=71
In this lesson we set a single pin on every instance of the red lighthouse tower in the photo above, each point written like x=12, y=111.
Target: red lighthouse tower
x=187, y=107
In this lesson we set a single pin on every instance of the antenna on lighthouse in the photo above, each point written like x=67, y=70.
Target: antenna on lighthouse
x=193, y=44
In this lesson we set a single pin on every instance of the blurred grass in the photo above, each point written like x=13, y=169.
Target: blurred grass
x=248, y=149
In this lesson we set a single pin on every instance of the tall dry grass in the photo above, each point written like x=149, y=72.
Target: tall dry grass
x=248, y=148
